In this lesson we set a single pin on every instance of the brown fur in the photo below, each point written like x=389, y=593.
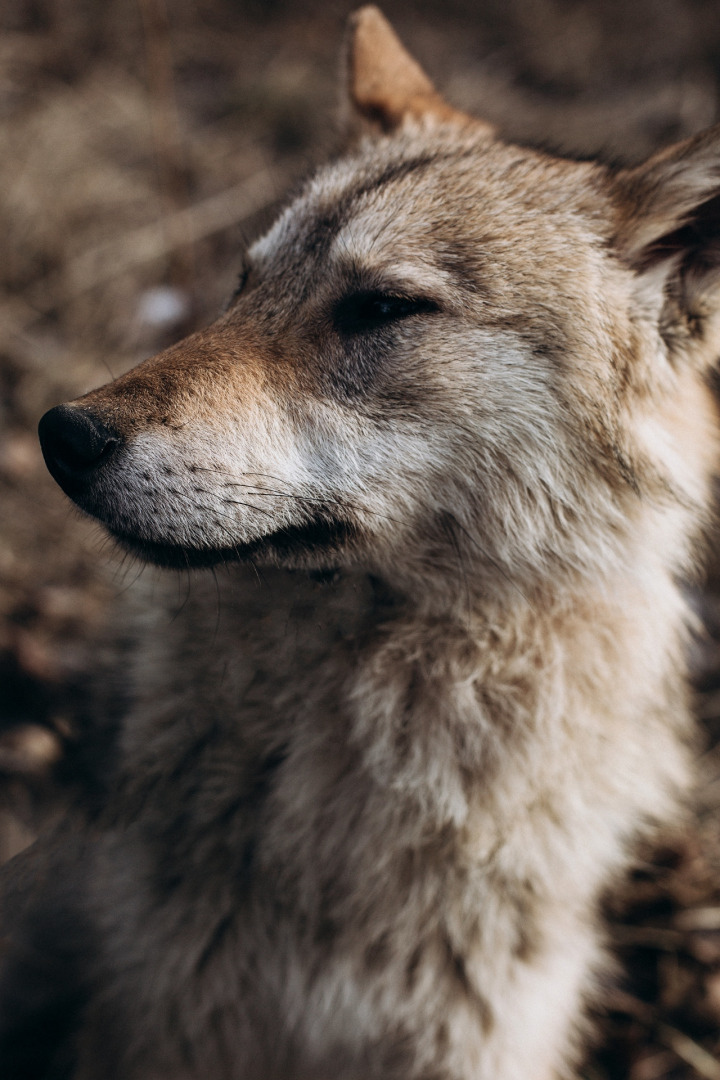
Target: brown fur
x=362, y=829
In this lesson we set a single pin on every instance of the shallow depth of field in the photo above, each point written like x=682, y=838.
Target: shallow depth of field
x=143, y=143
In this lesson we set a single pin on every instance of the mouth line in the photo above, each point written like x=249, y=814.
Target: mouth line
x=300, y=545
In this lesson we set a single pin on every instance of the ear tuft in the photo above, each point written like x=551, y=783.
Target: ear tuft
x=386, y=84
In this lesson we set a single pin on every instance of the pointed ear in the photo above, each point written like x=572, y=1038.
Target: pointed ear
x=669, y=231
x=386, y=86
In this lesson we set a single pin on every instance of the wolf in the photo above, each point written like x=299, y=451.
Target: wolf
x=453, y=441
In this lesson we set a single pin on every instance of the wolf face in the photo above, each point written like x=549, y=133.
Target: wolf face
x=447, y=351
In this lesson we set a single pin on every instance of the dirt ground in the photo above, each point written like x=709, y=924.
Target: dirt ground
x=143, y=141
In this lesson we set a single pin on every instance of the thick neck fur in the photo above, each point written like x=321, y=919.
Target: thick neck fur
x=465, y=716
x=417, y=805
x=487, y=712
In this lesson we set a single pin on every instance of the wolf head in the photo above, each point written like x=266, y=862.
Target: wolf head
x=448, y=353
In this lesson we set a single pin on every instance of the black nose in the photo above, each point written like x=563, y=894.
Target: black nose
x=75, y=443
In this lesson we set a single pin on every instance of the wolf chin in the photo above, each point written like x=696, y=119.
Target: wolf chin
x=361, y=830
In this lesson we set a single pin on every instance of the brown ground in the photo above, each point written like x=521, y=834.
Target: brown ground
x=137, y=152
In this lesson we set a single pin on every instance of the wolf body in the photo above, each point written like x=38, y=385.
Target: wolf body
x=361, y=829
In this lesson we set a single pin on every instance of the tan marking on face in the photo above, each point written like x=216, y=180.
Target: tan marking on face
x=209, y=375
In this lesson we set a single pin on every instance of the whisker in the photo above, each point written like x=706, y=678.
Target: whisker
x=188, y=588
x=217, y=605
x=212, y=506
x=324, y=501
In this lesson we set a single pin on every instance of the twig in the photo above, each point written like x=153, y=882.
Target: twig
x=652, y=937
x=704, y=918
x=169, y=157
x=107, y=261
x=704, y=1063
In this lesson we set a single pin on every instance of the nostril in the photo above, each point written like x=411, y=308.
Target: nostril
x=74, y=441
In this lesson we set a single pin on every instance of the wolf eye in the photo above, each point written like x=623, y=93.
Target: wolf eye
x=242, y=279
x=363, y=312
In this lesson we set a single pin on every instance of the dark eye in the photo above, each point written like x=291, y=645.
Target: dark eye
x=363, y=312
x=242, y=279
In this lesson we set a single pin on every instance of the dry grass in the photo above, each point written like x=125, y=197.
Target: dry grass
x=138, y=150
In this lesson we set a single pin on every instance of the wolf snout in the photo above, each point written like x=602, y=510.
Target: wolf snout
x=75, y=443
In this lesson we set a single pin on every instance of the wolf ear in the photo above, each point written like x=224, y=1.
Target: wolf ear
x=669, y=231
x=386, y=86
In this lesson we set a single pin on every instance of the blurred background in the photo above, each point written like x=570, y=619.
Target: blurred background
x=143, y=143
